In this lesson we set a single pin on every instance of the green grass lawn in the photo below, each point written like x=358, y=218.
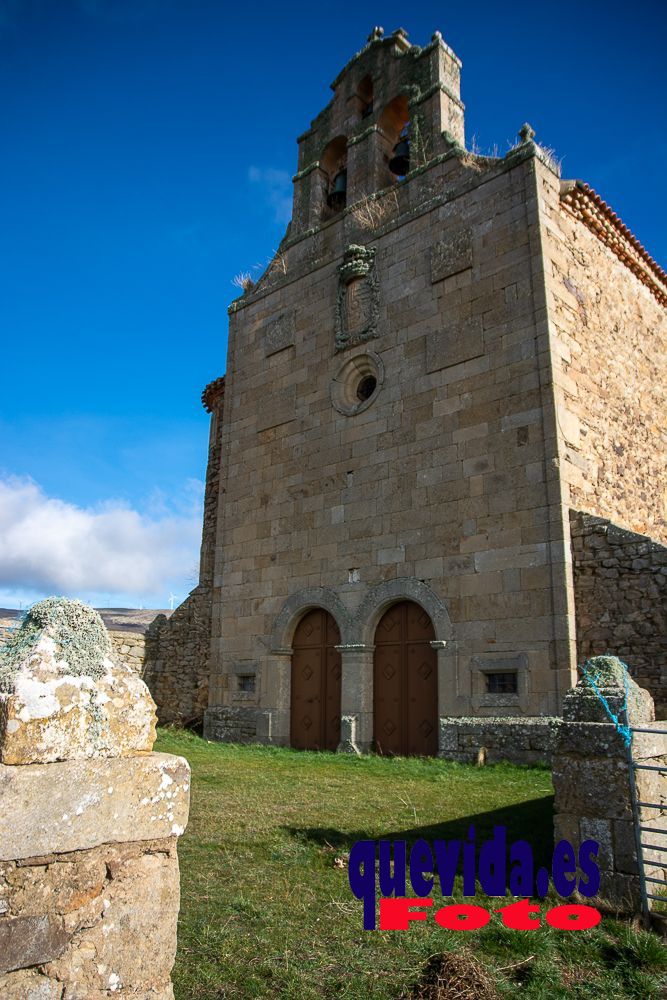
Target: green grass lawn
x=265, y=911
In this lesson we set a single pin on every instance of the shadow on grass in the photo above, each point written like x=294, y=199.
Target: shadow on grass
x=531, y=821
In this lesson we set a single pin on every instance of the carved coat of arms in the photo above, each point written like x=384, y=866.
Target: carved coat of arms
x=358, y=303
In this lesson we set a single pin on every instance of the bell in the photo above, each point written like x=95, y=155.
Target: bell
x=338, y=194
x=400, y=161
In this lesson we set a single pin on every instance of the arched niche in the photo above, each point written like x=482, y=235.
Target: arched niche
x=393, y=123
x=364, y=97
x=333, y=163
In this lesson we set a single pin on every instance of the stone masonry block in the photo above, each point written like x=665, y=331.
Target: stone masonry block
x=454, y=343
x=26, y=941
x=73, y=805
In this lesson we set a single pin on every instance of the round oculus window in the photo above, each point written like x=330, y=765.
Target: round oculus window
x=357, y=383
x=366, y=387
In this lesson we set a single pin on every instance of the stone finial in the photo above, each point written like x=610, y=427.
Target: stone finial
x=376, y=34
x=526, y=133
x=61, y=695
x=436, y=36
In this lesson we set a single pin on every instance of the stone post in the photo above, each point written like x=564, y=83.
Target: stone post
x=591, y=777
x=89, y=818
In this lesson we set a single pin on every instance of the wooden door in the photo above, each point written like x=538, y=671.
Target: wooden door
x=316, y=682
x=405, y=683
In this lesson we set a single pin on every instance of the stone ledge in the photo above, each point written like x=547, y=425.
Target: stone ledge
x=78, y=804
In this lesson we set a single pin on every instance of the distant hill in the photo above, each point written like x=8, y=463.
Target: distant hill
x=115, y=619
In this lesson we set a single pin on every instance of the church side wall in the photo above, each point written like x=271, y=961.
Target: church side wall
x=609, y=335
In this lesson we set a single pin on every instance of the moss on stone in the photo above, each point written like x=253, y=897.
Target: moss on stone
x=605, y=671
x=78, y=631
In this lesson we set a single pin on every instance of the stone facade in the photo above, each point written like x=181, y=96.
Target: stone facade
x=415, y=396
x=606, y=302
x=620, y=582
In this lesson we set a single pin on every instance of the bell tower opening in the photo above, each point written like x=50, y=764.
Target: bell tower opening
x=365, y=97
x=394, y=125
x=334, y=165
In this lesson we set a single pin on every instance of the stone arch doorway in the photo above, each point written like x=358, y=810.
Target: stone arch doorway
x=405, y=683
x=316, y=683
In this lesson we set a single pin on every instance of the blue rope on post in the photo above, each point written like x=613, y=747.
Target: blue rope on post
x=624, y=730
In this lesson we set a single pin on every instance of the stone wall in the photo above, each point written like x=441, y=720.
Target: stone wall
x=129, y=648
x=620, y=596
x=487, y=741
x=609, y=335
x=89, y=881
x=177, y=658
x=441, y=479
x=592, y=788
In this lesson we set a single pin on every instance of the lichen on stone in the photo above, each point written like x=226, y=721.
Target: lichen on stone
x=605, y=672
x=80, y=637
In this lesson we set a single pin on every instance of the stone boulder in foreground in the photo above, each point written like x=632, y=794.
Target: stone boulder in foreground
x=61, y=695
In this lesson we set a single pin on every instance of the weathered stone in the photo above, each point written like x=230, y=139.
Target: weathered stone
x=30, y=985
x=626, y=612
x=26, y=941
x=91, y=802
x=50, y=715
x=131, y=932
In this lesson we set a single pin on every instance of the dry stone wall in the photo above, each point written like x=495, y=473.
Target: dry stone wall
x=129, y=648
x=620, y=589
x=177, y=658
x=487, y=741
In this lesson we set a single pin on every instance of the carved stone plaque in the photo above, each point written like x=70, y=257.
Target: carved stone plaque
x=451, y=255
x=279, y=334
x=358, y=303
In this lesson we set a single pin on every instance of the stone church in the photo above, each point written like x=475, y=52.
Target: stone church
x=436, y=460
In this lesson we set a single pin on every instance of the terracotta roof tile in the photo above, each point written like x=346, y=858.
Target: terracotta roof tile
x=586, y=205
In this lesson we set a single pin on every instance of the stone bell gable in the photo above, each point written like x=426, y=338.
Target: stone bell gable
x=387, y=85
x=417, y=394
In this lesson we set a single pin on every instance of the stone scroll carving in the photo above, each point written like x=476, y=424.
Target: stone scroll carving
x=358, y=304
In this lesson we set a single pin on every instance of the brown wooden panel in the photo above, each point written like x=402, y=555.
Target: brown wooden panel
x=316, y=683
x=405, y=683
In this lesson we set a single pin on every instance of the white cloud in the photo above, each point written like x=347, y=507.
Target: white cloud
x=50, y=546
x=277, y=188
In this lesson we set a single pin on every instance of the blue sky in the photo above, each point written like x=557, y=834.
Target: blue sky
x=148, y=147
